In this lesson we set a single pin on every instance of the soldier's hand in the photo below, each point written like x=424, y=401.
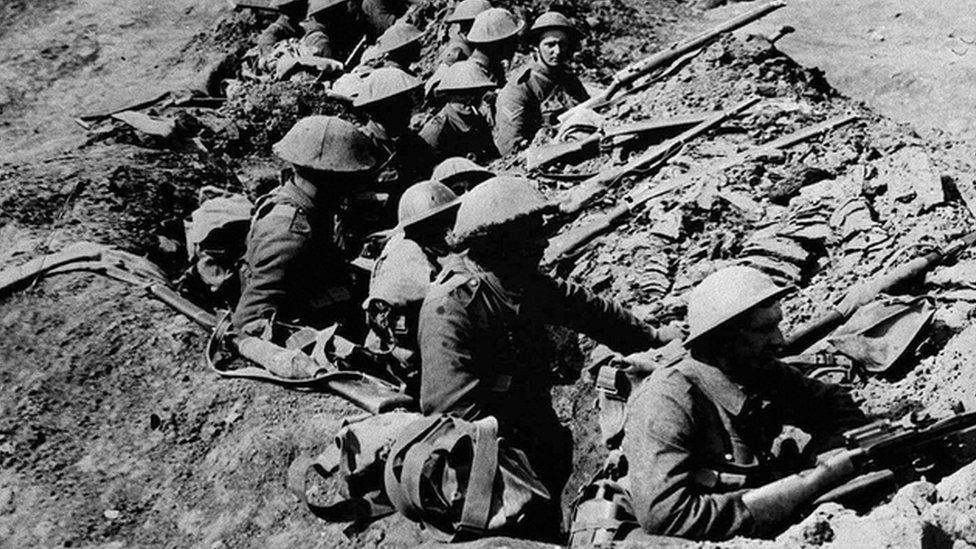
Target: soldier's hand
x=672, y=332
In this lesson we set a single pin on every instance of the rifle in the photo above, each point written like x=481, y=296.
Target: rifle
x=547, y=154
x=563, y=245
x=876, y=458
x=864, y=293
x=353, y=59
x=259, y=5
x=575, y=199
x=635, y=70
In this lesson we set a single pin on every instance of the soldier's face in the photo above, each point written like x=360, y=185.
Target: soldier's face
x=555, y=48
x=759, y=336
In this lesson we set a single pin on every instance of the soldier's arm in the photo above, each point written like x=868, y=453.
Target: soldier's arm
x=318, y=44
x=821, y=409
x=605, y=321
x=510, y=111
x=275, y=32
x=433, y=130
x=448, y=383
x=275, y=241
x=659, y=445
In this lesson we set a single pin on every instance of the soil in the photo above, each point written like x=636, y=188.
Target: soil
x=114, y=433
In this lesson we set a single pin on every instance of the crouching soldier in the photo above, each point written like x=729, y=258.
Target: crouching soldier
x=459, y=128
x=699, y=434
x=332, y=29
x=461, y=19
x=460, y=174
x=388, y=97
x=402, y=276
x=543, y=89
x=287, y=25
x=484, y=318
x=293, y=269
x=400, y=46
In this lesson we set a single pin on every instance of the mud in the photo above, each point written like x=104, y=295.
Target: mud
x=114, y=433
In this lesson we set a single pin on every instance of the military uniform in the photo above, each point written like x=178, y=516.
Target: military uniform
x=401, y=279
x=532, y=99
x=333, y=41
x=483, y=354
x=695, y=441
x=407, y=159
x=292, y=267
x=459, y=130
x=494, y=72
x=282, y=28
x=380, y=15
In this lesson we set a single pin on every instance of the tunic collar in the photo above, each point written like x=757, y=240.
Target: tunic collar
x=717, y=385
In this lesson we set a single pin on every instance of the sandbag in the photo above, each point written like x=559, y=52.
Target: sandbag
x=878, y=334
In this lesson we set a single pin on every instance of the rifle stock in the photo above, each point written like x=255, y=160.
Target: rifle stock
x=861, y=294
x=547, y=154
x=635, y=70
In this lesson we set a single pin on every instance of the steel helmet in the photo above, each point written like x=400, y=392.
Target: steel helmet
x=383, y=84
x=318, y=6
x=726, y=294
x=467, y=10
x=399, y=35
x=494, y=25
x=424, y=200
x=497, y=202
x=327, y=143
x=464, y=76
x=553, y=20
x=457, y=167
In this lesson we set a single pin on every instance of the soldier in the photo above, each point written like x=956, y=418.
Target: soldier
x=482, y=329
x=459, y=128
x=460, y=174
x=331, y=29
x=494, y=37
x=461, y=19
x=403, y=273
x=544, y=88
x=387, y=97
x=293, y=270
x=699, y=433
x=379, y=15
x=401, y=46
x=287, y=25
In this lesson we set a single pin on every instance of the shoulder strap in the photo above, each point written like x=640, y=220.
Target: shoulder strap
x=414, y=433
x=484, y=467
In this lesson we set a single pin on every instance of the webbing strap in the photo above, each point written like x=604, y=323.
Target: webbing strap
x=484, y=467
x=413, y=433
x=361, y=511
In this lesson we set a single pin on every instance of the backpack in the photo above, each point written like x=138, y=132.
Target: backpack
x=216, y=237
x=456, y=477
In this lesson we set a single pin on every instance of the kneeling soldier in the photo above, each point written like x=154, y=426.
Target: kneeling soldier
x=482, y=329
x=699, y=434
x=293, y=269
x=544, y=88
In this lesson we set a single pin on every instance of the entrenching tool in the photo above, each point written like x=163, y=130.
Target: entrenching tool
x=577, y=198
x=563, y=245
x=538, y=157
x=864, y=293
x=629, y=74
